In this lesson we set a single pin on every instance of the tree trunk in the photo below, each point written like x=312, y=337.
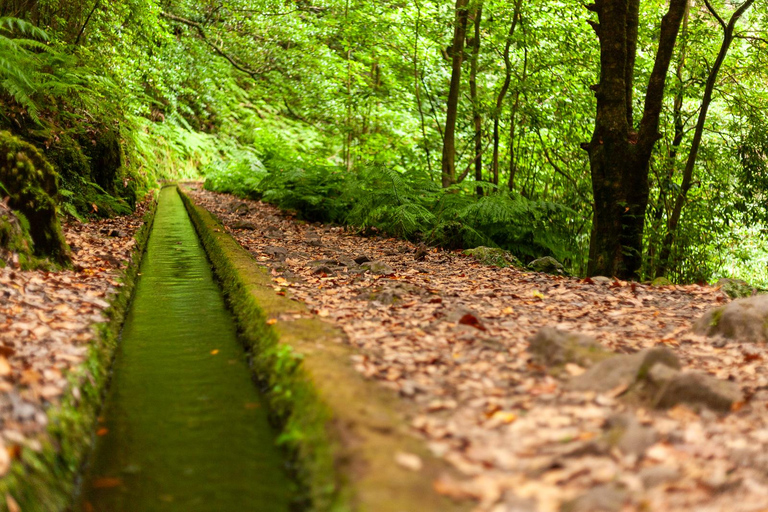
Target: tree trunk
x=618, y=155
x=503, y=92
x=685, y=186
x=448, y=169
x=477, y=118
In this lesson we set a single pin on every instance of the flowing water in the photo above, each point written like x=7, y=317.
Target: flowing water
x=183, y=427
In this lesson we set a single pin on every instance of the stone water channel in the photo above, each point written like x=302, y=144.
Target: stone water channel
x=183, y=427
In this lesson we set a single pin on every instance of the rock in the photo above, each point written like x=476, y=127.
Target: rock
x=494, y=256
x=361, y=259
x=604, y=498
x=278, y=253
x=389, y=292
x=244, y=224
x=377, y=267
x=743, y=319
x=628, y=435
x=697, y=389
x=622, y=370
x=661, y=281
x=736, y=288
x=552, y=347
x=238, y=207
x=548, y=265
x=657, y=475
x=421, y=252
x=601, y=279
x=322, y=269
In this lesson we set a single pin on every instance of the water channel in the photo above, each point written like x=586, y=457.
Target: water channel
x=183, y=426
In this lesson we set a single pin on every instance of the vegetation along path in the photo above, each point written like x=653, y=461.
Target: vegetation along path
x=535, y=420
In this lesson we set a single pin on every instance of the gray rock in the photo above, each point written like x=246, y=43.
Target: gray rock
x=736, y=288
x=548, y=265
x=494, y=256
x=278, y=253
x=244, y=224
x=552, y=347
x=377, y=267
x=742, y=319
x=604, y=498
x=657, y=475
x=697, y=389
x=601, y=279
x=622, y=370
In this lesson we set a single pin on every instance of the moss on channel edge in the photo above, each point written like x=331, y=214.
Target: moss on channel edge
x=342, y=430
x=45, y=480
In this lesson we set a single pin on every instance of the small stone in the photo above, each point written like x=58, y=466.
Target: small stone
x=361, y=259
x=661, y=281
x=601, y=279
x=553, y=347
x=736, y=288
x=493, y=256
x=278, y=253
x=743, y=320
x=377, y=267
x=699, y=389
x=623, y=370
x=548, y=265
x=245, y=225
x=657, y=475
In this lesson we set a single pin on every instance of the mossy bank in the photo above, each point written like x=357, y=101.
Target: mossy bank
x=44, y=480
x=342, y=430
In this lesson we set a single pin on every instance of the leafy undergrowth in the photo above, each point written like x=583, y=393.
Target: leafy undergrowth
x=452, y=336
x=408, y=205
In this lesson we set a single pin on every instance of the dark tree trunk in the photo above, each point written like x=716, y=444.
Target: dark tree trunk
x=448, y=169
x=685, y=186
x=618, y=155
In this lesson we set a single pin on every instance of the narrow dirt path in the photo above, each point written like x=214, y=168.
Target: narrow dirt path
x=452, y=336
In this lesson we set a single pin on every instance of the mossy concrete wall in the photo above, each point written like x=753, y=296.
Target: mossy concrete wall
x=45, y=480
x=342, y=429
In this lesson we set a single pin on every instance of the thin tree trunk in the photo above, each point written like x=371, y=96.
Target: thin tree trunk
x=513, y=125
x=448, y=166
x=503, y=92
x=477, y=118
x=417, y=88
x=674, y=218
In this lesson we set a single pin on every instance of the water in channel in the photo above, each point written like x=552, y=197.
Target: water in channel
x=183, y=427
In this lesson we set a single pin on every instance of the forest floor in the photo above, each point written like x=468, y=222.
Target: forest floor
x=47, y=324
x=452, y=336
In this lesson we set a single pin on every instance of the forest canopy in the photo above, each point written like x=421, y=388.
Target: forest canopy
x=624, y=137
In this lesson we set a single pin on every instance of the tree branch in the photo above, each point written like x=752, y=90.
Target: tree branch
x=201, y=32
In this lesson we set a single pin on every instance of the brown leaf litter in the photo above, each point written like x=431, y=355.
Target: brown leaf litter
x=452, y=335
x=47, y=324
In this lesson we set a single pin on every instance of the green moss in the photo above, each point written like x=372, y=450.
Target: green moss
x=494, y=256
x=32, y=186
x=716, y=316
x=661, y=281
x=44, y=481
